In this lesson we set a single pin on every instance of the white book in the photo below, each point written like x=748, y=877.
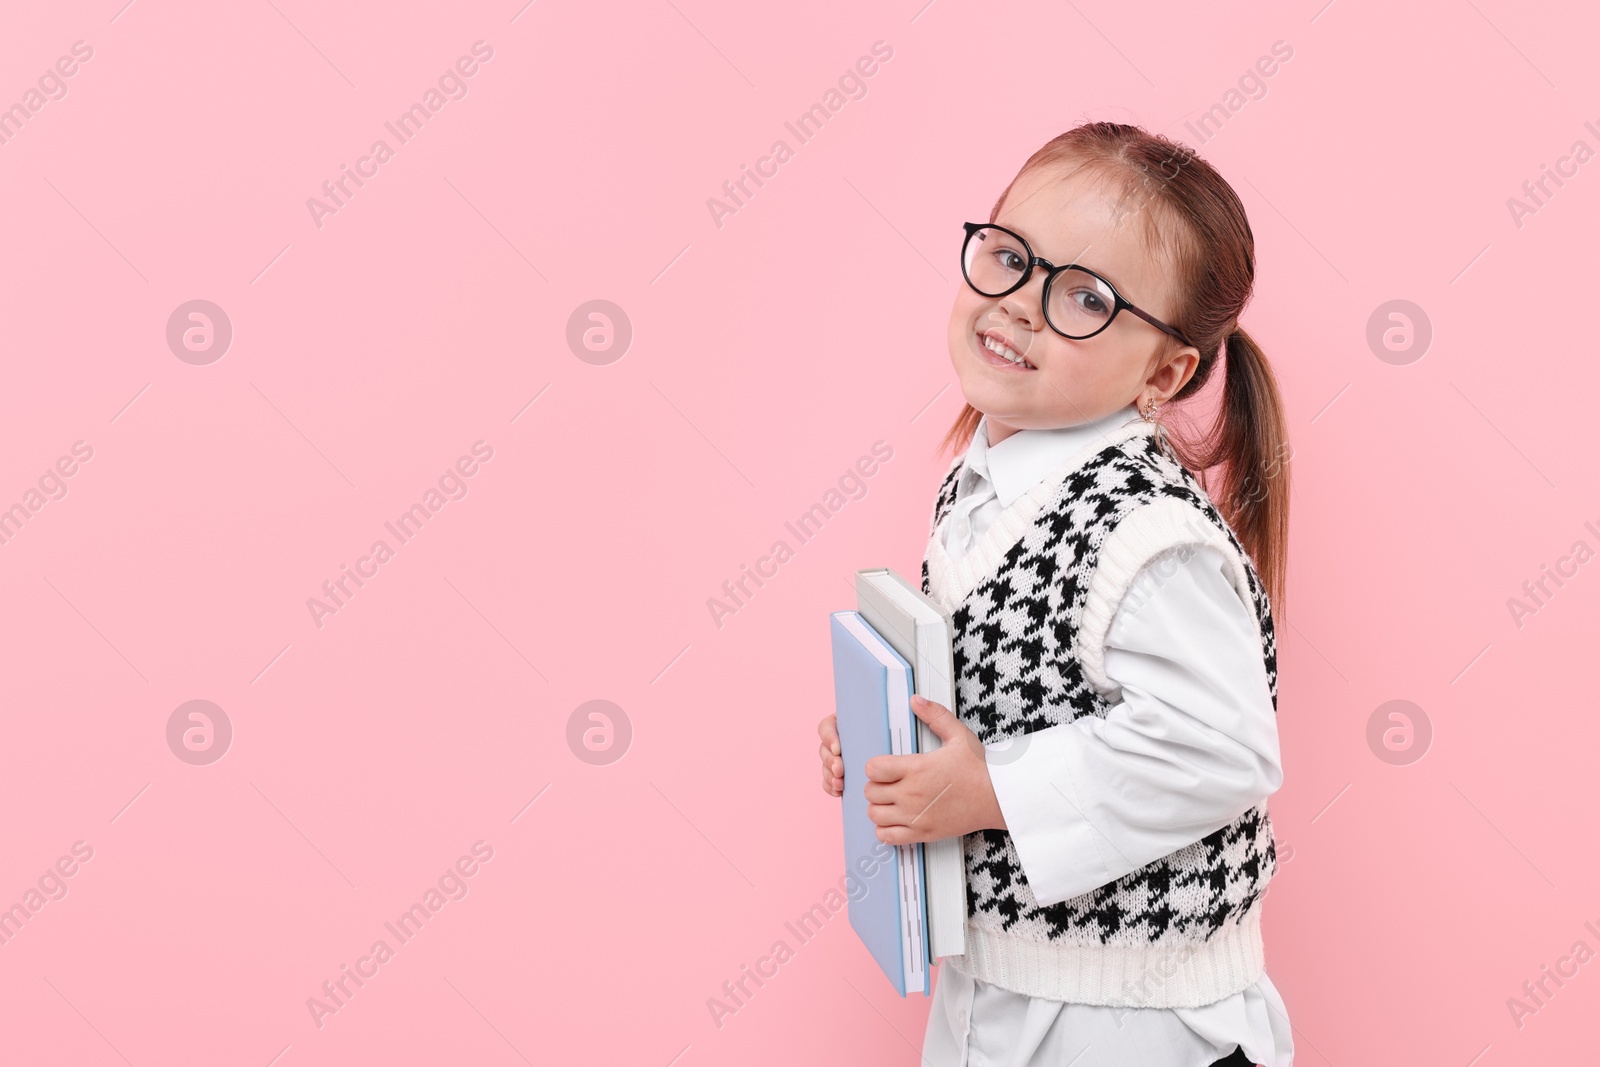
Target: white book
x=916, y=628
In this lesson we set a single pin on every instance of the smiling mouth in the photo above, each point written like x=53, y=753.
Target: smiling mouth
x=997, y=352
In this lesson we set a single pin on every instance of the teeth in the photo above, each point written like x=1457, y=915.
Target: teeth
x=1002, y=351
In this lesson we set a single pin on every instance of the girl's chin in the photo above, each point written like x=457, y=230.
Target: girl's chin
x=1002, y=404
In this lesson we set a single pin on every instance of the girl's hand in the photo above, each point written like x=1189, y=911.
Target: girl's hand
x=832, y=761
x=933, y=795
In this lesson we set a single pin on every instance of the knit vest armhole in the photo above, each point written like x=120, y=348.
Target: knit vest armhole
x=1138, y=538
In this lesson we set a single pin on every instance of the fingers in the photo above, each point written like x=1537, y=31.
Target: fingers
x=831, y=763
x=828, y=728
x=831, y=755
x=889, y=829
x=832, y=771
x=940, y=719
x=884, y=814
x=887, y=768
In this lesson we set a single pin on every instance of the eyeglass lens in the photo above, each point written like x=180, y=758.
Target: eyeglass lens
x=1079, y=304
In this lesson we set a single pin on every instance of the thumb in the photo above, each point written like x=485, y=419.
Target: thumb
x=940, y=719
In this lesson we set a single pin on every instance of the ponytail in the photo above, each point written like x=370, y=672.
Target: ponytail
x=1250, y=445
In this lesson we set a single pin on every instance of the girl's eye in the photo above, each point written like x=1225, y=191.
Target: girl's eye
x=1090, y=301
x=1009, y=259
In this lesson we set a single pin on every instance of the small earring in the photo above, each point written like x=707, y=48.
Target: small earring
x=1149, y=412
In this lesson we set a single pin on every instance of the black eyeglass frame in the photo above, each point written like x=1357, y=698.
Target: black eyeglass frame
x=1119, y=301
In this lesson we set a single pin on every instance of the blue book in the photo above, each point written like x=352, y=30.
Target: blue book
x=872, y=687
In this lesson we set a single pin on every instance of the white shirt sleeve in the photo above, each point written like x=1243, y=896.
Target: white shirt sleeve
x=1191, y=746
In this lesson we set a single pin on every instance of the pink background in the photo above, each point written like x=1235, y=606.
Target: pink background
x=371, y=752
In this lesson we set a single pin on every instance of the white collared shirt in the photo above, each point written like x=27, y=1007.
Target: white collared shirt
x=1005, y=471
x=1192, y=744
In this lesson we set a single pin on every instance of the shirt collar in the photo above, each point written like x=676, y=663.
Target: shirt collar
x=1021, y=461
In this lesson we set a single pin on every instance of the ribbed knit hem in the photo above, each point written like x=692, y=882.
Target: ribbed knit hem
x=1171, y=974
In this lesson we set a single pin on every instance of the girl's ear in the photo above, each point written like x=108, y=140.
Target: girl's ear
x=1174, y=372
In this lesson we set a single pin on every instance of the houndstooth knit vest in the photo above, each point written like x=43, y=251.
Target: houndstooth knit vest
x=1031, y=603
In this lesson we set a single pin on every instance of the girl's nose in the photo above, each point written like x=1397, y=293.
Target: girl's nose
x=1025, y=305
x=1020, y=309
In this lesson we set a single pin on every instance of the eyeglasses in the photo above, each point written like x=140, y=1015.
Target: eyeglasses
x=1077, y=302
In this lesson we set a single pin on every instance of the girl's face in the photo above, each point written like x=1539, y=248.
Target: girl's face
x=1067, y=220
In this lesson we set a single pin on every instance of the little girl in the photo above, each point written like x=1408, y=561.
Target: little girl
x=1115, y=736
